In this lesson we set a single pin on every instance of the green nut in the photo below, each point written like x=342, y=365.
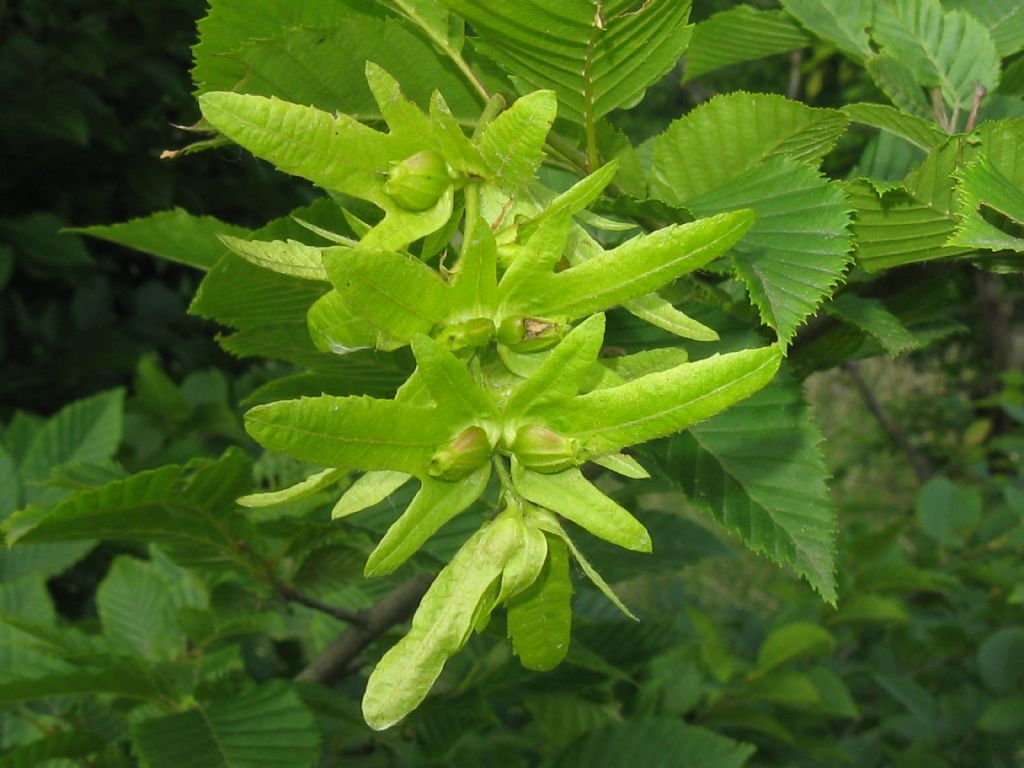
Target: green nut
x=543, y=450
x=529, y=334
x=469, y=451
x=472, y=333
x=418, y=182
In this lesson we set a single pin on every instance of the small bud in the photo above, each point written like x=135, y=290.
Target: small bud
x=529, y=334
x=466, y=453
x=472, y=333
x=543, y=450
x=418, y=182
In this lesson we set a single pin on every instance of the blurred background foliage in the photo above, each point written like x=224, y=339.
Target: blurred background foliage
x=921, y=664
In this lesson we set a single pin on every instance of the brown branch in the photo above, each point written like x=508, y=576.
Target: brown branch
x=335, y=661
x=795, y=60
x=918, y=461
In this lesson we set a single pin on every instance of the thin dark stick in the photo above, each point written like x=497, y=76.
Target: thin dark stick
x=335, y=661
x=292, y=595
x=795, y=59
x=918, y=462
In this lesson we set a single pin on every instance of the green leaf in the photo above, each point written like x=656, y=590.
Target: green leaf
x=304, y=141
x=835, y=697
x=563, y=370
x=1005, y=716
x=231, y=23
x=984, y=196
x=740, y=34
x=172, y=504
x=450, y=384
x=351, y=432
x=756, y=468
x=259, y=728
x=126, y=677
x=574, y=497
x=623, y=465
x=441, y=625
x=301, y=490
x=799, y=640
x=842, y=22
x=324, y=67
x=597, y=59
x=525, y=565
x=918, y=131
x=931, y=42
x=394, y=293
x=654, y=742
x=872, y=317
x=798, y=248
x=945, y=510
x=719, y=141
x=896, y=81
x=437, y=502
x=664, y=402
x=636, y=267
x=288, y=257
x=998, y=660
x=136, y=608
x=175, y=235
x=512, y=144
x=1004, y=20
x=53, y=746
x=372, y=488
x=87, y=431
x=540, y=618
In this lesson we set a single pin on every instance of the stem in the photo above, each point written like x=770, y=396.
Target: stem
x=336, y=660
x=979, y=94
x=795, y=59
x=918, y=462
x=292, y=595
x=939, y=109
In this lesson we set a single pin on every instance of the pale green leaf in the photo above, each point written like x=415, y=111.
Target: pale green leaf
x=664, y=402
x=633, y=269
x=512, y=144
x=596, y=58
x=575, y=498
x=540, y=618
x=524, y=566
x=475, y=281
x=740, y=34
x=798, y=248
x=842, y=22
x=301, y=490
x=351, y=432
x=657, y=311
x=563, y=370
x=730, y=134
x=175, y=235
x=334, y=327
x=288, y=257
x=546, y=521
x=137, y=610
x=395, y=293
x=264, y=727
x=437, y=502
x=372, y=488
x=932, y=43
x=450, y=384
x=756, y=468
x=440, y=626
x=623, y=465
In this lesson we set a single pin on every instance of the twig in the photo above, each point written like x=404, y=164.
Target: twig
x=335, y=660
x=979, y=94
x=292, y=595
x=918, y=462
x=795, y=59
